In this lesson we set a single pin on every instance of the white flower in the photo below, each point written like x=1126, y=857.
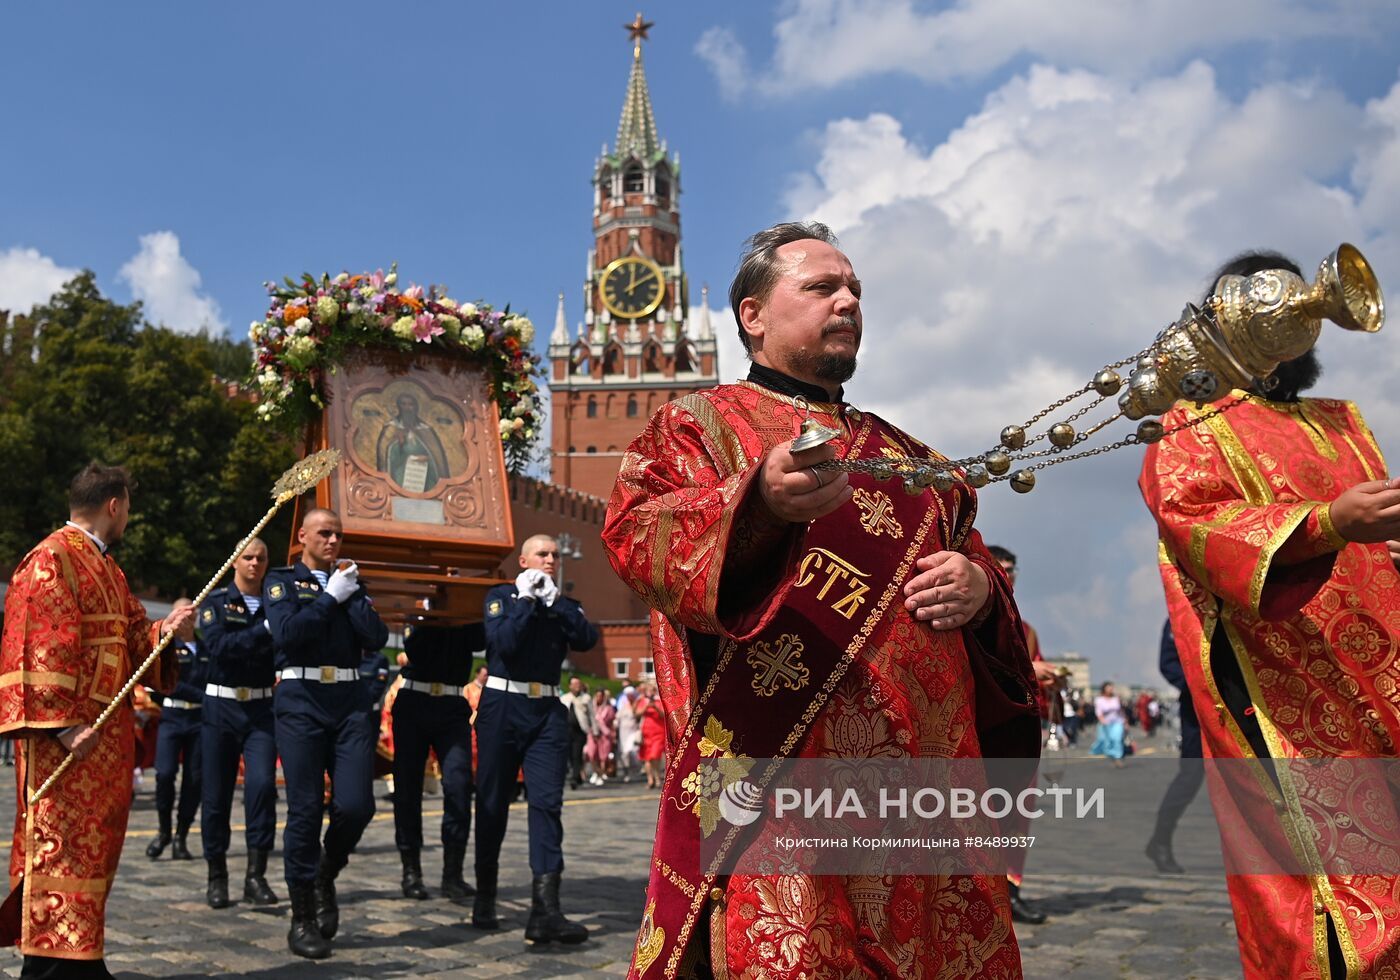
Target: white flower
x=451, y=304
x=403, y=327
x=468, y=309
x=507, y=427
x=327, y=309
x=301, y=348
x=473, y=337
x=522, y=407
x=302, y=326
x=343, y=278
x=525, y=329
x=391, y=278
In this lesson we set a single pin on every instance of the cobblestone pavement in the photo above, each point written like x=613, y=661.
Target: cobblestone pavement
x=1117, y=919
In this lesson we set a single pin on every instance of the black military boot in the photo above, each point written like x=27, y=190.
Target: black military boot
x=1160, y=853
x=484, y=908
x=1022, y=910
x=412, y=874
x=304, y=938
x=157, y=847
x=546, y=923
x=327, y=910
x=179, y=850
x=454, y=886
x=216, y=894
x=255, y=886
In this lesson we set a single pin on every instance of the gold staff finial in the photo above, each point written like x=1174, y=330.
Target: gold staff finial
x=637, y=33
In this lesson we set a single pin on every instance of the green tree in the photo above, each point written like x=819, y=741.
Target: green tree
x=106, y=386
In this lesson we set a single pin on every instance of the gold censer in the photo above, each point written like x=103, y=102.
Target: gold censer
x=1248, y=327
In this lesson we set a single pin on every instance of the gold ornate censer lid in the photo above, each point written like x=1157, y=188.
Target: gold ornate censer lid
x=1250, y=325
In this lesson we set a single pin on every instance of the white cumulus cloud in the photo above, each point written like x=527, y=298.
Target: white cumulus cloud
x=1060, y=227
x=820, y=44
x=28, y=277
x=169, y=287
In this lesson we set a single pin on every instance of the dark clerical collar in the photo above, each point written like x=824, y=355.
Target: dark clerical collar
x=786, y=384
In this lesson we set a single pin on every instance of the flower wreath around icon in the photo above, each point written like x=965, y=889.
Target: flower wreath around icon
x=313, y=324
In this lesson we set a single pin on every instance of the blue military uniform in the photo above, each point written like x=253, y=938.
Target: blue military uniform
x=321, y=707
x=374, y=672
x=520, y=720
x=178, y=749
x=238, y=723
x=432, y=713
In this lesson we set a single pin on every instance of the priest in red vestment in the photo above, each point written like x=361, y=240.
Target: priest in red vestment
x=1274, y=516
x=811, y=613
x=73, y=635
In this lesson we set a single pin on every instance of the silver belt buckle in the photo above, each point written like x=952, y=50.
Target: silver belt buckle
x=535, y=691
x=327, y=675
x=435, y=689
x=242, y=693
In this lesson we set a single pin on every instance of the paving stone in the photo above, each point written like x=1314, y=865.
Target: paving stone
x=1119, y=921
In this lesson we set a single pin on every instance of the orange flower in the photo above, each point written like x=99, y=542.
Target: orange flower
x=417, y=304
x=293, y=313
x=356, y=280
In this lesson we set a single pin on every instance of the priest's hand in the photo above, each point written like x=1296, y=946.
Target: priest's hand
x=1368, y=512
x=795, y=492
x=177, y=620
x=80, y=740
x=949, y=590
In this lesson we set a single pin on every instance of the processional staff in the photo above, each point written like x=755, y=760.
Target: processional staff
x=298, y=479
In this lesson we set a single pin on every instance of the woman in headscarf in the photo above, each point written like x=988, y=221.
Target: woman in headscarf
x=629, y=733
x=599, y=748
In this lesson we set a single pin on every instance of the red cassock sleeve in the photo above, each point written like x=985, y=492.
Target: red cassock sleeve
x=684, y=516
x=1268, y=558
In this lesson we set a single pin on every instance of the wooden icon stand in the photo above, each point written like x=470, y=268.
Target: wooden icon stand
x=421, y=487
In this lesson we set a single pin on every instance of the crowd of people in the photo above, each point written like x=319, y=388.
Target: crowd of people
x=616, y=737
x=1279, y=531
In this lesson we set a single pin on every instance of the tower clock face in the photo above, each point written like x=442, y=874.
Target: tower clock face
x=631, y=287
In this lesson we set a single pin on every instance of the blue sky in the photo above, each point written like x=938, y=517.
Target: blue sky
x=1028, y=189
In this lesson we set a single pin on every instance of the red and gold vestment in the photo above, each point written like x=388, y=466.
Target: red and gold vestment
x=73, y=635
x=1254, y=571
x=680, y=531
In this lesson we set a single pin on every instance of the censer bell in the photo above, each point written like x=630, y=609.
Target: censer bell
x=813, y=434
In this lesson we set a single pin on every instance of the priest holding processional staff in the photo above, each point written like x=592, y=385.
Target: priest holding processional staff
x=75, y=640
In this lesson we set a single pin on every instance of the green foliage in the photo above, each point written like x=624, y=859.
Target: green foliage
x=106, y=386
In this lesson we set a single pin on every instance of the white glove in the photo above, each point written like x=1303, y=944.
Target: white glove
x=550, y=593
x=531, y=583
x=343, y=583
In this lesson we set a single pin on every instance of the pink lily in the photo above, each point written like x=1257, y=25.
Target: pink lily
x=426, y=327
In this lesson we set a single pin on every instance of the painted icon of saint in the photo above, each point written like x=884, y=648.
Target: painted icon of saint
x=409, y=450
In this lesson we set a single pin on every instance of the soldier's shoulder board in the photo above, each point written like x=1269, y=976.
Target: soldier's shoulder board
x=207, y=616
x=276, y=591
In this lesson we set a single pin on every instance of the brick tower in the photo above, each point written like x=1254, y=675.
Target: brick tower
x=636, y=347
